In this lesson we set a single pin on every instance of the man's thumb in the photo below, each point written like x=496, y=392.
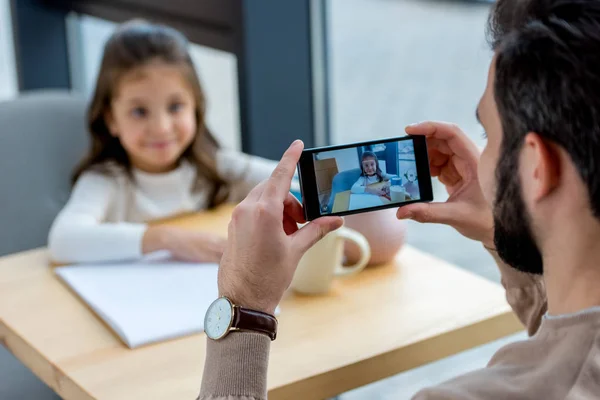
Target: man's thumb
x=439, y=213
x=314, y=231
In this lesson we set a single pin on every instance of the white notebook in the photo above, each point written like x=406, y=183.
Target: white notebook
x=147, y=301
x=358, y=201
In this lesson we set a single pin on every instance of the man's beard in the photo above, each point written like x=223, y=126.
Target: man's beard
x=513, y=236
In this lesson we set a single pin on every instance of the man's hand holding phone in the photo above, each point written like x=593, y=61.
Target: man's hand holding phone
x=264, y=243
x=453, y=158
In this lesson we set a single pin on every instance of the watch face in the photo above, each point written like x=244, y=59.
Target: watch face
x=218, y=318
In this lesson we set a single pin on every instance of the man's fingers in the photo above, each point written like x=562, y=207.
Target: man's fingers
x=434, y=171
x=289, y=225
x=448, y=180
x=293, y=208
x=449, y=174
x=456, y=139
x=293, y=214
x=439, y=145
x=438, y=213
x=278, y=185
x=437, y=159
x=314, y=231
x=435, y=129
x=256, y=192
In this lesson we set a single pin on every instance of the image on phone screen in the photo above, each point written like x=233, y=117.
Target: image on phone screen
x=365, y=176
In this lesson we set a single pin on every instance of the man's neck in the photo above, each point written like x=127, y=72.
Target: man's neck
x=572, y=269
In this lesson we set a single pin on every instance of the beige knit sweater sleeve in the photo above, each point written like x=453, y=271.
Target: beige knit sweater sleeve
x=236, y=367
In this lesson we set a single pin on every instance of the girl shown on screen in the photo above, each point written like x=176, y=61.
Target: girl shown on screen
x=371, y=174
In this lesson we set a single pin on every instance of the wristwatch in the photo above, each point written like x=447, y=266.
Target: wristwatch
x=223, y=317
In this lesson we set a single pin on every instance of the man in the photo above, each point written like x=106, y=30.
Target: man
x=532, y=198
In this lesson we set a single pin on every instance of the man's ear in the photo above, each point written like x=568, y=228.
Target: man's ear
x=542, y=163
x=110, y=123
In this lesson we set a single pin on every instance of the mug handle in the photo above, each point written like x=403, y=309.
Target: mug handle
x=365, y=250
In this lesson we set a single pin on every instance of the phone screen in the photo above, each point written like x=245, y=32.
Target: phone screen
x=348, y=179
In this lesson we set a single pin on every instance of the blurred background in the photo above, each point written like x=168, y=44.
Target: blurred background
x=326, y=71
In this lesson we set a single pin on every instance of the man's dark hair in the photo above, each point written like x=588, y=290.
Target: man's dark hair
x=547, y=80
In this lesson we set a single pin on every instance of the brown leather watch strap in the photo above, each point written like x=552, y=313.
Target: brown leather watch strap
x=251, y=320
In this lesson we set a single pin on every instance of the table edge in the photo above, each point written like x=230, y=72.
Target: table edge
x=45, y=370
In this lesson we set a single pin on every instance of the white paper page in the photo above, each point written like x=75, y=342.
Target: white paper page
x=147, y=301
x=358, y=201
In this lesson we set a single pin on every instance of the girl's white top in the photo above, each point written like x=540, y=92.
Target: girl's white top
x=105, y=217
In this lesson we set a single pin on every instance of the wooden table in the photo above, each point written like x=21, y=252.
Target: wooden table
x=370, y=326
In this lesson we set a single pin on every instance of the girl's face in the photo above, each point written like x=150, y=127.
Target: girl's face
x=153, y=115
x=411, y=176
x=369, y=166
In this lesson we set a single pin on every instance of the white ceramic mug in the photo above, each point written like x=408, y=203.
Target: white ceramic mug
x=323, y=262
x=397, y=194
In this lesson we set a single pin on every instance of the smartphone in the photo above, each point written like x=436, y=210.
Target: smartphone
x=367, y=176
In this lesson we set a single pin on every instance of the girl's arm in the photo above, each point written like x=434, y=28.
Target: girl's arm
x=244, y=172
x=79, y=234
x=359, y=186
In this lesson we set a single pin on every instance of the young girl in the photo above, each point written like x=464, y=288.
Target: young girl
x=371, y=174
x=151, y=156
